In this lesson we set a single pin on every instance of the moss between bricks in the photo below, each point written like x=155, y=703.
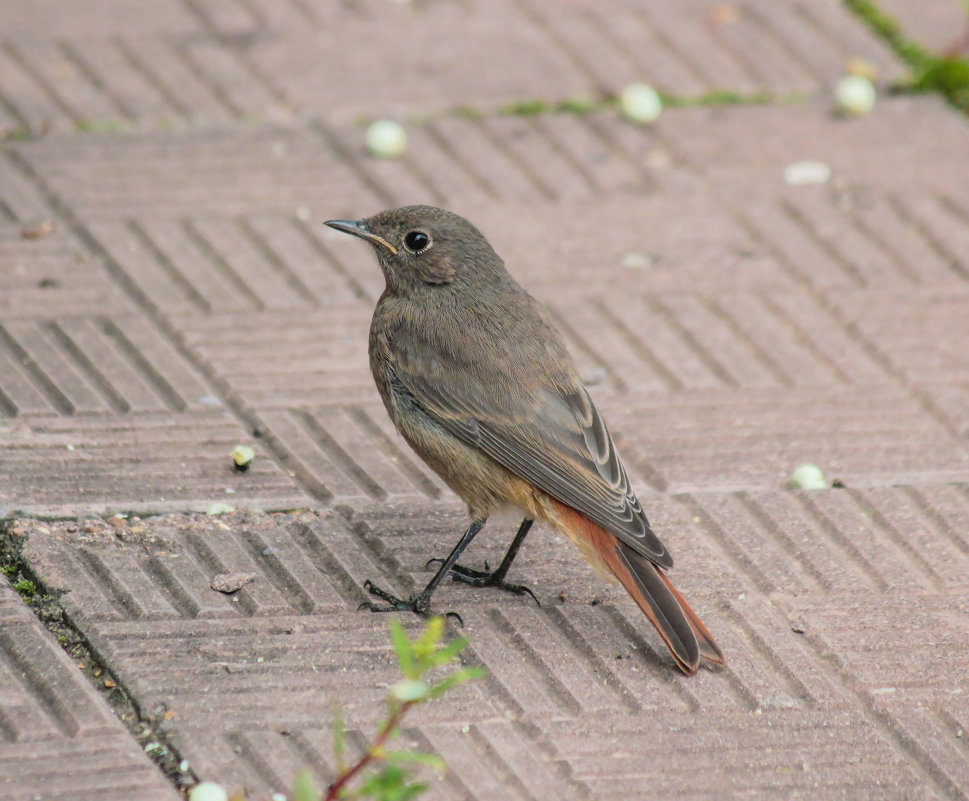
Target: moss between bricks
x=947, y=75
x=578, y=105
x=144, y=725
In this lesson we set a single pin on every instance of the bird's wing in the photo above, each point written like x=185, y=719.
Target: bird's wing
x=553, y=438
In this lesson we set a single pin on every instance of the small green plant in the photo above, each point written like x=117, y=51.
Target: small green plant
x=26, y=588
x=946, y=74
x=97, y=126
x=583, y=105
x=949, y=76
x=379, y=773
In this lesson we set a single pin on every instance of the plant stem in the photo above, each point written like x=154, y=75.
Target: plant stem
x=333, y=791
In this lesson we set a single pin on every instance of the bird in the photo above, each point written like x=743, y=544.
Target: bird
x=478, y=381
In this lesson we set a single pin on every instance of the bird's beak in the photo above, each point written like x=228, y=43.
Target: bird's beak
x=358, y=228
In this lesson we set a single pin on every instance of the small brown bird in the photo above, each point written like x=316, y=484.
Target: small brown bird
x=480, y=384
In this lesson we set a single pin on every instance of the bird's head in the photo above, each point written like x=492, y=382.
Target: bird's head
x=423, y=247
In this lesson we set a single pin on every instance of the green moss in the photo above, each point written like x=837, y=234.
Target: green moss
x=19, y=134
x=101, y=126
x=949, y=77
x=26, y=588
x=729, y=97
x=887, y=27
x=581, y=105
x=944, y=75
x=571, y=105
x=468, y=113
x=526, y=108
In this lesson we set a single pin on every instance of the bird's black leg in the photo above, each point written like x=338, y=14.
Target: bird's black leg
x=421, y=603
x=496, y=578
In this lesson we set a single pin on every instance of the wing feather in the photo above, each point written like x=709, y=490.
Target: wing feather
x=555, y=439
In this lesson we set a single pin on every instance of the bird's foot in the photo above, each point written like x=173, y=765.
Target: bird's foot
x=486, y=578
x=418, y=604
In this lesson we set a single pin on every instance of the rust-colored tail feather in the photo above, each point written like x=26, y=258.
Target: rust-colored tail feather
x=687, y=638
x=709, y=650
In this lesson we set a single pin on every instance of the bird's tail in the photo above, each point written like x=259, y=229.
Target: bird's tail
x=687, y=638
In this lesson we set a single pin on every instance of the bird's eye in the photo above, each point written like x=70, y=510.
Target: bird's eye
x=417, y=241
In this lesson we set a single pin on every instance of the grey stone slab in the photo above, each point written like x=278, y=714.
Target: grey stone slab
x=901, y=651
x=135, y=463
x=730, y=325
x=118, y=178
x=937, y=735
x=802, y=590
x=762, y=756
x=51, y=275
x=58, y=738
x=906, y=143
x=579, y=49
x=212, y=63
x=706, y=443
x=937, y=25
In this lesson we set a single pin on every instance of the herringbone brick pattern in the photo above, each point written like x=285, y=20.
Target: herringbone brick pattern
x=167, y=291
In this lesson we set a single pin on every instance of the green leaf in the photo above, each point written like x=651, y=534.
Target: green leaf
x=391, y=784
x=418, y=758
x=339, y=739
x=385, y=783
x=456, y=678
x=409, y=791
x=304, y=789
x=448, y=652
x=403, y=648
x=425, y=645
x=410, y=690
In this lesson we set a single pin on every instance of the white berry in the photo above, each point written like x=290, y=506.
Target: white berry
x=242, y=455
x=855, y=95
x=802, y=173
x=640, y=102
x=809, y=477
x=386, y=138
x=208, y=791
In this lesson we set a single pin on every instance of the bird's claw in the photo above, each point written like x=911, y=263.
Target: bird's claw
x=415, y=604
x=488, y=578
x=458, y=568
x=456, y=616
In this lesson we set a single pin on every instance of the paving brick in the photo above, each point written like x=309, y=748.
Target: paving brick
x=731, y=326
x=58, y=738
x=706, y=443
x=228, y=267
x=325, y=352
x=759, y=755
x=937, y=25
x=248, y=678
x=907, y=649
x=211, y=63
x=924, y=347
x=152, y=462
x=118, y=177
x=50, y=276
x=867, y=154
x=89, y=72
x=937, y=736
x=577, y=50
x=135, y=367
x=352, y=453
x=56, y=18
x=255, y=668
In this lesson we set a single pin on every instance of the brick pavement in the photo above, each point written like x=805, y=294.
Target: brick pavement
x=167, y=290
